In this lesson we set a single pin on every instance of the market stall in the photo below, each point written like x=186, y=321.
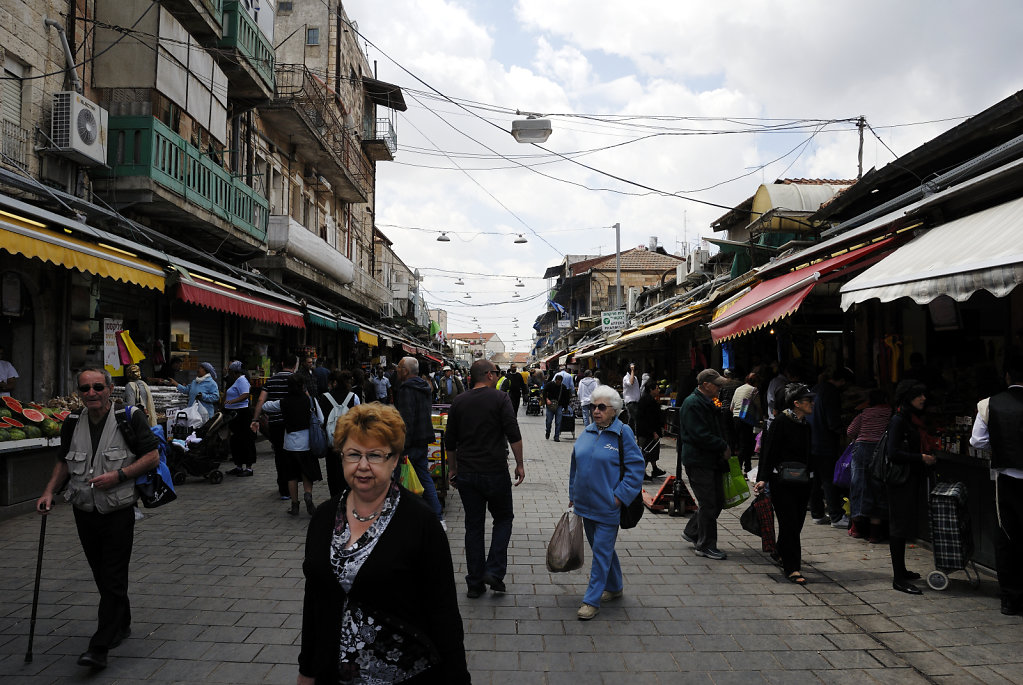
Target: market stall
x=437, y=454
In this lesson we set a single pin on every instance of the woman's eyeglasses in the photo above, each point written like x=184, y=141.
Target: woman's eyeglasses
x=98, y=387
x=371, y=457
x=601, y=407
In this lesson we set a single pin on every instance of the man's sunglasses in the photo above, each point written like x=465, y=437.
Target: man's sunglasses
x=98, y=387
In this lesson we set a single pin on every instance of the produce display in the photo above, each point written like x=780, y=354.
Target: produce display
x=28, y=420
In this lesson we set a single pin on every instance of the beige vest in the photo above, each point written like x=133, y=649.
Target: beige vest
x=111, y=454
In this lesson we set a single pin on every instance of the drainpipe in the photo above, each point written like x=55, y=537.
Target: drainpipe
x=75, y=83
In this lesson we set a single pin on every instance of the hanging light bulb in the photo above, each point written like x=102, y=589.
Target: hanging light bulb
x=519, y=240
x=516, y=295
x=519, y=283
x=459, y=281
x=443, y=237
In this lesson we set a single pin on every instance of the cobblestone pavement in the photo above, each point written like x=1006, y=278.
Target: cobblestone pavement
x=217, y=590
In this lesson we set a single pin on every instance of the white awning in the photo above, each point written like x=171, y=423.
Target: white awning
x=982, y=251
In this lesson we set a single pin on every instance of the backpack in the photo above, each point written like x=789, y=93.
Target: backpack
x=336, y=413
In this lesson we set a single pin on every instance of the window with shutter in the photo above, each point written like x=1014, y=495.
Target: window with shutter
x=13, y=135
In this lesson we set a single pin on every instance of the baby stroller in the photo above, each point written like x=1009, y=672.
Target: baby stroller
x=200, y=453
x=533, y=406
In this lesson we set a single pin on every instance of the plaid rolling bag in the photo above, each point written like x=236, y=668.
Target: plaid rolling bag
x=950, y=526
x=765, y=517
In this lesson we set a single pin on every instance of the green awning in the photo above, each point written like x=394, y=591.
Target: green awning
x=321, y=321
x=343, y=325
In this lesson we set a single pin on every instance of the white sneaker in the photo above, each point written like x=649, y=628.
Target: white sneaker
x=841, y=523
x=586, y=612
x=607, y=596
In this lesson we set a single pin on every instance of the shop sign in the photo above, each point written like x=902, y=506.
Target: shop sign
x=613, y=320
x=564, y=323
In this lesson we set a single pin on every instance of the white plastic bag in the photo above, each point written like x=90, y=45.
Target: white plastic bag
x=565, y=550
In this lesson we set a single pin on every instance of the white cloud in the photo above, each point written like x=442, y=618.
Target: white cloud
x=894, y=63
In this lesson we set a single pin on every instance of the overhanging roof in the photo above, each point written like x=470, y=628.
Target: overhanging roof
x=384, y=94
x=981, y=251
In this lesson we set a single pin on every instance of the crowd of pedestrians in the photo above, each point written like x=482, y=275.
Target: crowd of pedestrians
x=373, y=543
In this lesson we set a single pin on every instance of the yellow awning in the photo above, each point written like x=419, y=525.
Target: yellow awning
x=29, y=238
x=368, y=338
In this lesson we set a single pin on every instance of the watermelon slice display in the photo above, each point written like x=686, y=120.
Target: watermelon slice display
x=33, y=415
x=12, y=423
x=61, y=416
x=34, y=405
x=12, y=404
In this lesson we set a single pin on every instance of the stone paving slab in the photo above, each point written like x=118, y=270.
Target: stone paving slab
x=217, y=597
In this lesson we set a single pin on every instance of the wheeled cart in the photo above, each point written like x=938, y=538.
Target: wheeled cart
x=568, y=422
x=950, y=535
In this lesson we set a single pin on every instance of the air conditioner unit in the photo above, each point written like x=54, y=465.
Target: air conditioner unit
x=79, y=128
x=696, y=262
x=633, y=298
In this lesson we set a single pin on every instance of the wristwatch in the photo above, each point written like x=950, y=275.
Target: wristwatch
x=120, y=476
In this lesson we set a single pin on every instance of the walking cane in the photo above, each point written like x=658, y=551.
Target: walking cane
x=35, y=594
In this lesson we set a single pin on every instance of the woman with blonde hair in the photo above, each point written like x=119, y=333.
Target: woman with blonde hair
x=380, y=601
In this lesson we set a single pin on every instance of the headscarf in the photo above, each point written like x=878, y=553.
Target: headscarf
x=209, y=368
x=235, y=366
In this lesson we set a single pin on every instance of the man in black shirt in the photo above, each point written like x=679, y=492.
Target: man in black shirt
x=516, y=389
x=481, y=427
x=276, y=388
x=556, y=397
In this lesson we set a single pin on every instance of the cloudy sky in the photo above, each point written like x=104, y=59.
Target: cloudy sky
x=664, y=114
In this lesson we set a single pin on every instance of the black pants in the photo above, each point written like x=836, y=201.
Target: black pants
x=1009, y=541
x=709, y=491
x=281, y=460
x=744, y=438
x=825, y=496
x=243, y=440
x=789, y=501
x=107, y=540
x=516, y=399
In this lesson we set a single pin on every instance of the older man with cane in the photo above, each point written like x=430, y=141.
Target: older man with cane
x=99, y=459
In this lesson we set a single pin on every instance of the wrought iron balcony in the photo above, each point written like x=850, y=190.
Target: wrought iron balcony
x=381, y=143
x=306, y=107
x=14, y=144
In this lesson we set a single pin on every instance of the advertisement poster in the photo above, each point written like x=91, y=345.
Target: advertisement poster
x=111, y=359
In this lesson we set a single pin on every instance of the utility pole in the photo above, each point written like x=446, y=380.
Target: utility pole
x=861, y=124
x=618, y=266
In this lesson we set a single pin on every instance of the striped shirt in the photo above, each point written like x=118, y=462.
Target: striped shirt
x=276, y=388
x=870, y=424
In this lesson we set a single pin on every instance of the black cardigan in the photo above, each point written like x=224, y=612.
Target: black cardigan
x=408, y=575
x=786, y=440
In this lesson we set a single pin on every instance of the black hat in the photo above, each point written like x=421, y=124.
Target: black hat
x=797, y=391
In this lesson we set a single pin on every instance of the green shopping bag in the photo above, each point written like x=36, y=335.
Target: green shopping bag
x=736, y=487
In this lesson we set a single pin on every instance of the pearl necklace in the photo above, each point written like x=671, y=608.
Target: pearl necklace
x=370, y=517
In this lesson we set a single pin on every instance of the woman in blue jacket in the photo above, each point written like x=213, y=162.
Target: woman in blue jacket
x=597, y=490
x=203, y=389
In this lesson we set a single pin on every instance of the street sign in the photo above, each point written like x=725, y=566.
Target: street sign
x=564, y=323
x=613, y=320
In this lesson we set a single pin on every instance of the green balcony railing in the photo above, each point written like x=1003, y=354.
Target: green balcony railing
x=144, y=146
x=242, y=34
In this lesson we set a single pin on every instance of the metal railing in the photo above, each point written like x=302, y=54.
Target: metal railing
x=373, y=289
x=384, y=130
x=14, y=143
x=144, y=146
x=298, y=87
x=242, y=34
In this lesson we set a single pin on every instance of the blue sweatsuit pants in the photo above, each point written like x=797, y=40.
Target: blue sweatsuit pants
x=605, y=571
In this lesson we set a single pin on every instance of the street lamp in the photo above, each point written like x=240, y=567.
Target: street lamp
x=521, y=239
x=443, y=237
x=531, y=129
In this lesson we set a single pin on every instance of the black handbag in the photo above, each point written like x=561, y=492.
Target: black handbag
x=632, y=512
x=794, y=472
x=882, y=468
